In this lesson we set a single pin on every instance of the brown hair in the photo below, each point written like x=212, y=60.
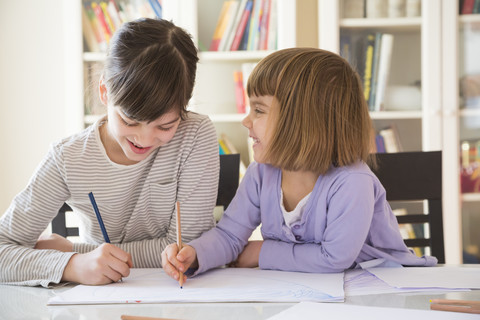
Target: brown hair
x=320, y=117
x=150, y=69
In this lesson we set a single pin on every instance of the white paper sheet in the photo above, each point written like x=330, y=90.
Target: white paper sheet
x=331, y=311
x=359, y=282
x=432, y=277
x=219, y=285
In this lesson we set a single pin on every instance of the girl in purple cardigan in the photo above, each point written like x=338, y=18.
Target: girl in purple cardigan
x=320, y=207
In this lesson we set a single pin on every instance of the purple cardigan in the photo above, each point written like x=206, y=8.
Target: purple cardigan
x=347, y=220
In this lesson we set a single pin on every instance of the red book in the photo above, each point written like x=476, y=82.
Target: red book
x=468, y=6
x=241, y=26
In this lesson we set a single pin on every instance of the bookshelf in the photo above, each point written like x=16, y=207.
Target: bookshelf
x=417, y=43
x=461, y=119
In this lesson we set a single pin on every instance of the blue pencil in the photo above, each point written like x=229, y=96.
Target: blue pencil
x=99, y=217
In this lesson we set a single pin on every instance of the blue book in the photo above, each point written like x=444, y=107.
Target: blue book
x=157, y=8
x=244, y=42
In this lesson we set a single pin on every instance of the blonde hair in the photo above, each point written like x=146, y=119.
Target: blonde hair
x=320, y=116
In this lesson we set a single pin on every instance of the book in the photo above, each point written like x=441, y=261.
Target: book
x=391, y=139
x=89, y=34
x=380, y=143
x=374, y=80
x=223, y=147
x=112, y=9
x=242, y=26
x=97, y=28
x=367, y=73
x=376, y=9
x=236, y=22
x=230, y=20
x=385, y=57
x=156, y=7
x=468, y=6
x=254, y=21
x=220, y=26
x=264, y=25
x=103, y=5
x=354, y=8
x=239, y=92
x=272, y=26
x=107, y=34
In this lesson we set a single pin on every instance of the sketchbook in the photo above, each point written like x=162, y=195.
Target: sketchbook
x=218, y=285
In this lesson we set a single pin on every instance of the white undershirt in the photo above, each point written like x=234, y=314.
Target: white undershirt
x=295, y=215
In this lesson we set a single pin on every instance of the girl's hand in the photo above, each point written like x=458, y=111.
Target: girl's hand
x=105, y=264
x=250, y=255
x=55, y=242
x=174, y=262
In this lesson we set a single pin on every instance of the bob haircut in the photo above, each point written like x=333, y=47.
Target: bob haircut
x=319, y=114
x=150, y=69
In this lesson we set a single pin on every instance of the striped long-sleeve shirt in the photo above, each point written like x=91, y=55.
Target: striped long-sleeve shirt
x=137, y=201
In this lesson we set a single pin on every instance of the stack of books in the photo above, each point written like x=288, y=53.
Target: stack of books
x=246, y=25
x=101, y=19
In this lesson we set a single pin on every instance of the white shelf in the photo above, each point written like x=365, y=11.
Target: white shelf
x=469, y=18
x=233, y=55
x=416, y=114
x=385, y=24
x=471, y=197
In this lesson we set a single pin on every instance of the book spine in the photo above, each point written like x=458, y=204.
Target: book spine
x=374, y=81
x=254, y=24
x=367, y=74
x=156, y=7
x=89, y=34
x=383, y=70
x=101, y=21
x=242, y=26
x=239, y=92
x=468, y=6
x=236, y=23
x=219, y=28
x=232, y=11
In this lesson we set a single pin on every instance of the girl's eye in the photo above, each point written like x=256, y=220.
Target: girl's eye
x=165, y=129
x=258, y=111
x=128, y=124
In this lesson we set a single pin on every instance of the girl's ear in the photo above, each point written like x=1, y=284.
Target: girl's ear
x=103, y=91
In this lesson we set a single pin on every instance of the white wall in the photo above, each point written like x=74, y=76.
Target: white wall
x=32, y=88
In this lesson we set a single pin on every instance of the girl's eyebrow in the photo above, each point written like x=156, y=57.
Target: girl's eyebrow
x=170, y=122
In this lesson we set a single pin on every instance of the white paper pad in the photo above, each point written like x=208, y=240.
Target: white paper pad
x=219, y=285
x=333, y=311
x=359, y=282
x=447, y=277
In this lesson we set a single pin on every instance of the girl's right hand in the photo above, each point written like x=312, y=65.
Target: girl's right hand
x=174, y=262
x=105, y=264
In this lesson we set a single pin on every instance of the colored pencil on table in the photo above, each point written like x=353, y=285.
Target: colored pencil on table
x=179, y=240
x=465, y=306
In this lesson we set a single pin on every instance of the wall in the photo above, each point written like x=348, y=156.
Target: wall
x=32, y=89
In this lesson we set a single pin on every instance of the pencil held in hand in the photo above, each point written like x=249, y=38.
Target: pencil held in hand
x=455, y=305
x=179, y=240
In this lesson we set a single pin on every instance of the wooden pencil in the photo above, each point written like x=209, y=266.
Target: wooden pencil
x=127, y=317
x=179, y=240
x=465, y=306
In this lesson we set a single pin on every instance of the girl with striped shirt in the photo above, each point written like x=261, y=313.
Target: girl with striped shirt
x=147, y=153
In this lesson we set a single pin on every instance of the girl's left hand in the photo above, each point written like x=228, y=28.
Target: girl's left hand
x=250, y=255
x=55, y=242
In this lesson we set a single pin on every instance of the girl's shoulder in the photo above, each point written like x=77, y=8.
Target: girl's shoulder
x=76, y=141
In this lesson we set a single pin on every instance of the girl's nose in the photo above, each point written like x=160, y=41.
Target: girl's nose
x=246, y=122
